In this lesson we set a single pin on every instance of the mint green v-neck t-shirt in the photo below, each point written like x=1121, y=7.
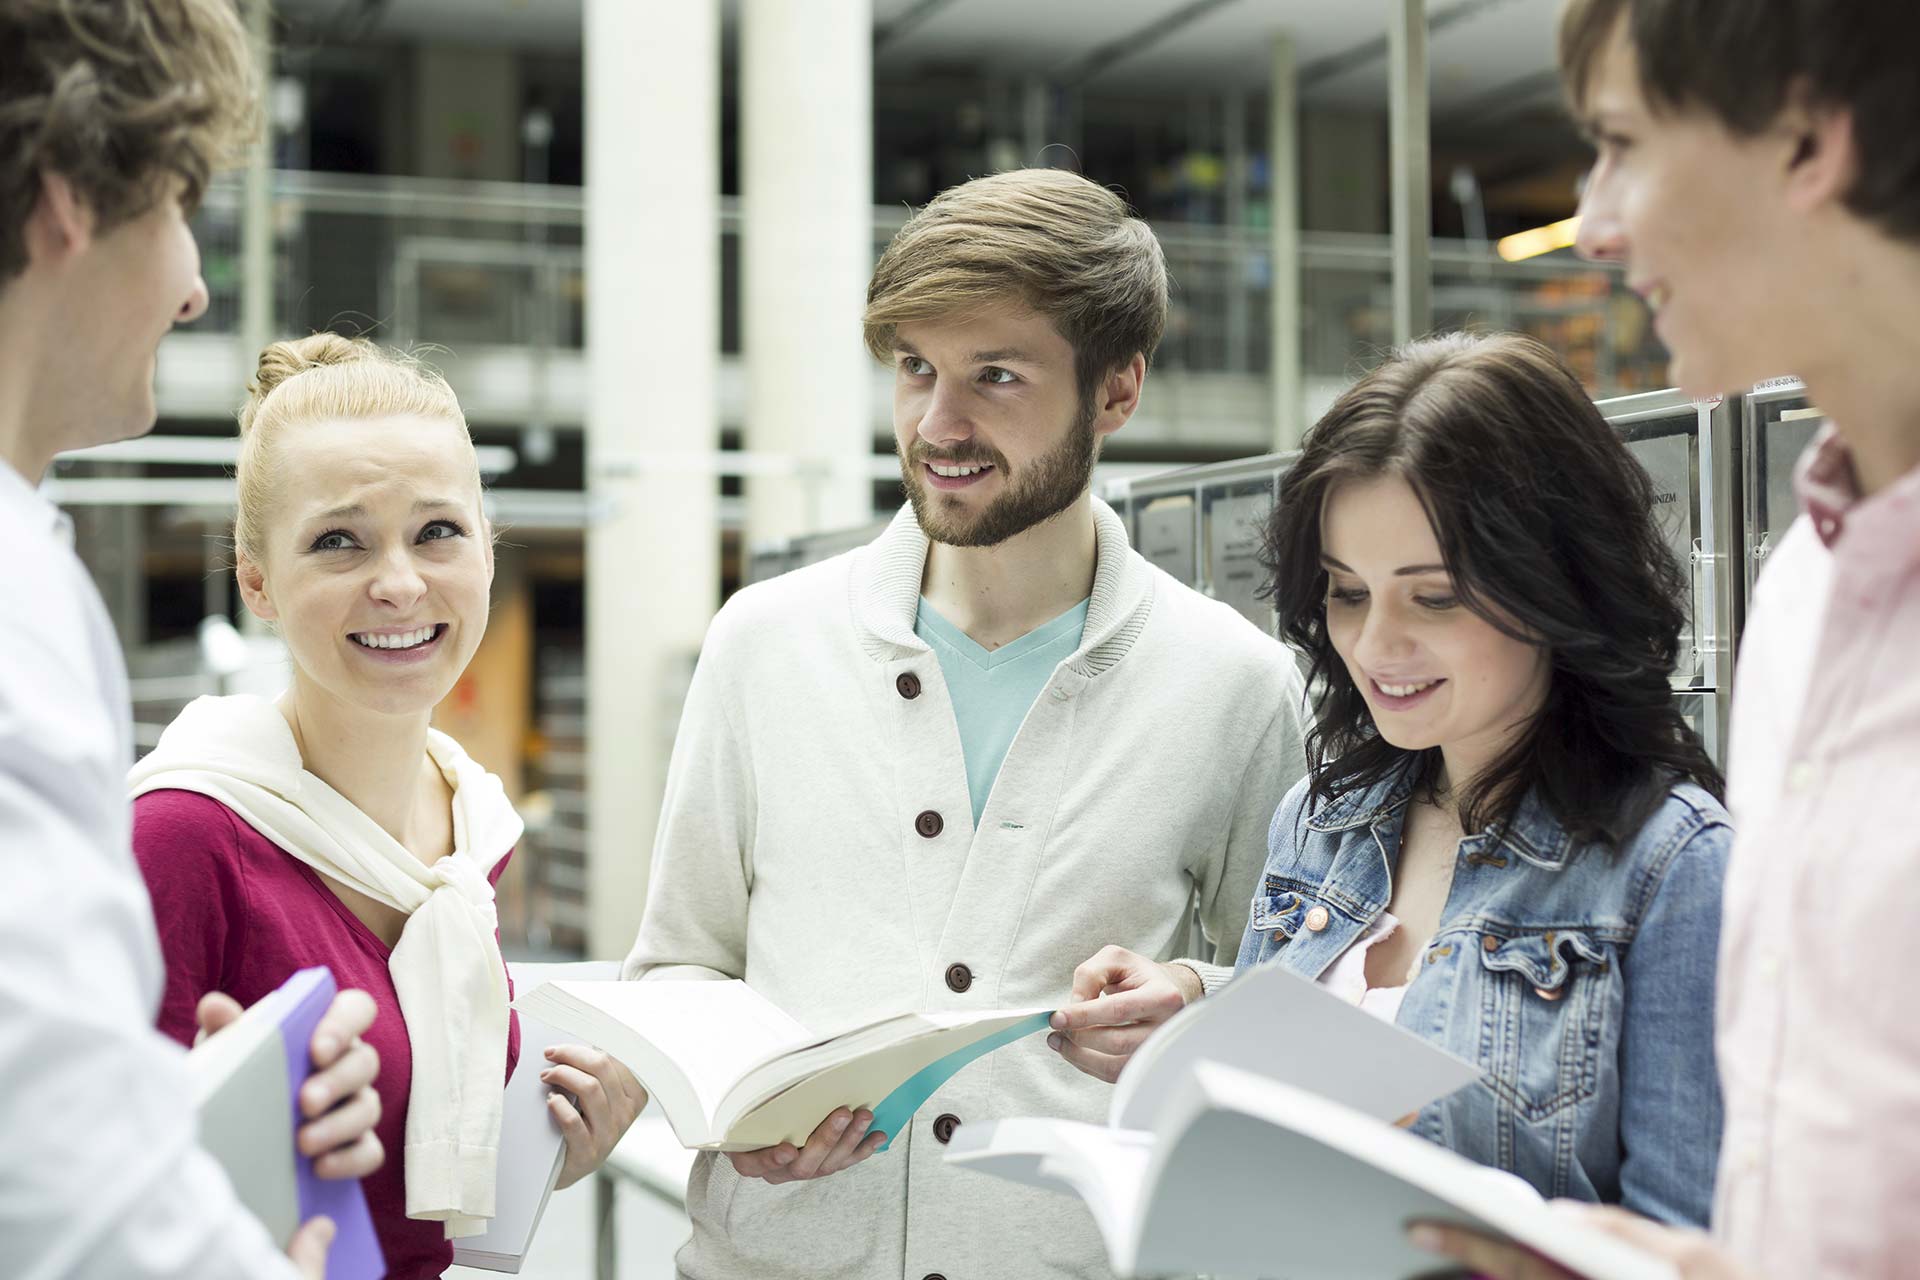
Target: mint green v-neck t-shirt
x=992, y=690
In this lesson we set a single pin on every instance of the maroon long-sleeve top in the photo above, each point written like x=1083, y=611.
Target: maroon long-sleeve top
x=238, y=914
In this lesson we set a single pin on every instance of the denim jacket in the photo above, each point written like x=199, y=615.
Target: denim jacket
x=1580, y=978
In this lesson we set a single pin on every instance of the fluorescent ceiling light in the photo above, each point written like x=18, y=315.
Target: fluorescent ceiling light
x=1531, y=244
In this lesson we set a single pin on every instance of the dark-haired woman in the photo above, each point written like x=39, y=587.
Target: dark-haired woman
x=1509, y=842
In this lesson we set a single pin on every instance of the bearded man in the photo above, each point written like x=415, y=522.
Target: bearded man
x=930, y=773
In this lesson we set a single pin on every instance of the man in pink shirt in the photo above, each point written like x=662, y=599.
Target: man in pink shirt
x=1759, y=176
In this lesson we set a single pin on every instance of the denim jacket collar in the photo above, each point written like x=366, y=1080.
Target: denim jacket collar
x=1534, y=835
x=1365, y=807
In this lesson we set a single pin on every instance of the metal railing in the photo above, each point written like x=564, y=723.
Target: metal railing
x=471, y=264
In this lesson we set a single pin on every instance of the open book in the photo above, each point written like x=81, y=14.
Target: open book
x=246, y=1088
x=1244, y=1176
x=732, y=1072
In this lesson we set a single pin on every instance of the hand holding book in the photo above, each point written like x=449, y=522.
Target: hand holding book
x=537, y=1151
x=338, y=1098
x=1119, y=999
x=1692, y=1254
x=600, y=1102
x=284, y=1081
x=841, y=1141
x=308, y=1249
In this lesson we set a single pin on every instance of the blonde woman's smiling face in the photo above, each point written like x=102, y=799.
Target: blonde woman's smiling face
x=377, y=561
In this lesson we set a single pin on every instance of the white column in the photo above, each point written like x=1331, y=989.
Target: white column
x=1233, y=146
x=1412, y=163
x=256, y=207
x=806, y=186
x=257, y=324
x=1284, y=367
x=653, y=342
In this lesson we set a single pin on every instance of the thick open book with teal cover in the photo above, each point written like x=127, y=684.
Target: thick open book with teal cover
x=732, y=1072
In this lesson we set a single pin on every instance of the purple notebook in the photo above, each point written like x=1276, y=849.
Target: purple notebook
x=356, y=1250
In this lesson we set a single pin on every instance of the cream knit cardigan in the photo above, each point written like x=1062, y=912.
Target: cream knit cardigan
x=789, y=853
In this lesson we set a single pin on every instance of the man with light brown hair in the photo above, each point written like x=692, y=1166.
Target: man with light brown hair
x=928, y=773
x=113, y=115
x=1758, y=174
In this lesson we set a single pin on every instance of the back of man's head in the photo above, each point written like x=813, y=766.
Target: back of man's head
x=121, y=98
x=1054, y=242
x=1740, y=62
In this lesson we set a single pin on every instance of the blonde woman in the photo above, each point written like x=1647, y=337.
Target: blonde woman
x=334, y=826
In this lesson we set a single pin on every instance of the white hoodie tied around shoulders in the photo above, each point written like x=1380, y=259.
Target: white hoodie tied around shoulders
x=446, y=967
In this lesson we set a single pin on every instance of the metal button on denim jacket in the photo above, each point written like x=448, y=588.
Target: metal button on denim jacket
x=1579, y=977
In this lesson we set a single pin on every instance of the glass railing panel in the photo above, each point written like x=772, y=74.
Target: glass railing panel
x=477, y=264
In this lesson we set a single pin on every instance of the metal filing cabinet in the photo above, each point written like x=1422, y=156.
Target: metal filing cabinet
x=768, y=560
x=1204, y=526
x=1236, y=501
x=1691, y=449
x=771, y=559
x=1166, y=525
x=1776, y=427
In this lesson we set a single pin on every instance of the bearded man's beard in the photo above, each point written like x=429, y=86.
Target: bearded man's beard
x=1042, y=490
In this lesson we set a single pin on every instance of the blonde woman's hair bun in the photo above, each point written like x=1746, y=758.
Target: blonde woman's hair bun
x=282, y=361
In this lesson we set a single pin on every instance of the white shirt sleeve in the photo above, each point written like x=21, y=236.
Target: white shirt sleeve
x=100, y=1172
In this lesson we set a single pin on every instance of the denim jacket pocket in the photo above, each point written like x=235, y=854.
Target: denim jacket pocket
x=1546, y=1000
x=1279, y=912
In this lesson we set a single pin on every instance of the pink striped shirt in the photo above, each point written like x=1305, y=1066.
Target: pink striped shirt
x=1819, y=1019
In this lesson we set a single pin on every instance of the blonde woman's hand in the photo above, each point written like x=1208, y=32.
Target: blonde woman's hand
x=605, y=1101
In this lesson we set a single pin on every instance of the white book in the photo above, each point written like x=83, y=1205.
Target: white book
x=1244, y=1176
x=732, y=1072
x=1279, y=1024
x=532, y=1148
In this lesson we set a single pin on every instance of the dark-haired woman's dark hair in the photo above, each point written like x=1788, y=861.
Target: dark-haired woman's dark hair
x=1546, y=525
